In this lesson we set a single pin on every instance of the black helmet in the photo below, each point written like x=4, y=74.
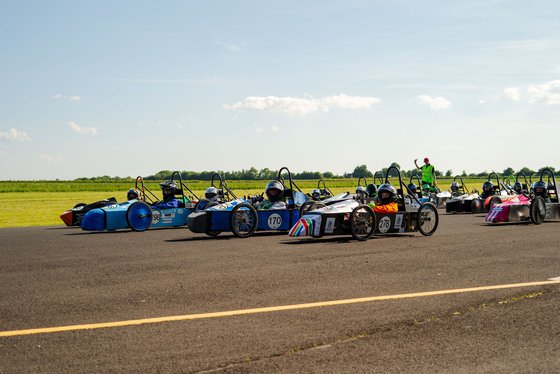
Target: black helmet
x=371, y=190
x=518, y=187
x=540, y=188
x=411, y=187
x=455, y=186
x=488, y=185
x=132, y=194
x=166, y=186
x=392, y=193
x=274, y=191
x=211, y=193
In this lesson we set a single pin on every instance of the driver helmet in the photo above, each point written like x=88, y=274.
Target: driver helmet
x=540, y=188
x=412, y=187
x=211, y=193
x=518, y=187
x=361, y=192
x=455, y=186
x=387, y=193
x=371, y=190
x=316, y=194
x=133, y=194
x=274, y=191
x=168, y=188
x=488, y=188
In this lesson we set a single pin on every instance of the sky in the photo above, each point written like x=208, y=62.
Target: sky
x=129, y=88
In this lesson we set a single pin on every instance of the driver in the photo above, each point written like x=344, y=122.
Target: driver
x=275, y=194
x=316, y=194
x=540, y=189
x=455, y=187
x=361, y=193
x=133, y=194
x=387, y=199
x=212, y=193
x=487, y=189
x=168, y=189
x=518, y=188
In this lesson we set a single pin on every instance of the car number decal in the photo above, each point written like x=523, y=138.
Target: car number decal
x=274, y=221
x=384, y=224
x=156, y=216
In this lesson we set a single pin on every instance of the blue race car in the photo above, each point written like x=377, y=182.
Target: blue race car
x=243, y=219
x=138, y=214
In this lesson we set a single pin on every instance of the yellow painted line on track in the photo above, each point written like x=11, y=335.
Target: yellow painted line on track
x=268, y=309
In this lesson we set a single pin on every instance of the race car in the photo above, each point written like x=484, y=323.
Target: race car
x=74, y=216
x=541, y=204
x=244, y=219
x=472, y=202
x=353, y=217
x=139, y=215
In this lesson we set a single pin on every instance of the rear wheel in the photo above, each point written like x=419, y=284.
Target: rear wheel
x=139, y=216
x=243, y=220
x=427, y=219
x=537, y=210
x=362, y=222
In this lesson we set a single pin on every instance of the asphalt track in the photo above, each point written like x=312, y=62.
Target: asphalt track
x=473, y=297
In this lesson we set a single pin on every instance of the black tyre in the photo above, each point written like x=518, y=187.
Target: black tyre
x=475, y=206
x=79, y=205
x=427, y=219
x=493, y=201
x=310, y=205
x=537, y=210
x=201, y=204
x=362, y=222
x=434, y=199
x=243, y=220
x=139, y=216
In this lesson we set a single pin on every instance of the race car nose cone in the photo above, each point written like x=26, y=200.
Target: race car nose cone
x=66, y=217
x=94, y=220
x=198, y=222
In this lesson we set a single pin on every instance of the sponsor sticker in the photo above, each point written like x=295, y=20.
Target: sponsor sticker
x=180, y=211
x=274, y=221
x=329, y=225
x=398, y=221
x=167, y=221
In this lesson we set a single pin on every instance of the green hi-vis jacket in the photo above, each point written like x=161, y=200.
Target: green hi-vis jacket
x=428, y=173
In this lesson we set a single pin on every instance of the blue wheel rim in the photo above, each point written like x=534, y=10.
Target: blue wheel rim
x=139, y=216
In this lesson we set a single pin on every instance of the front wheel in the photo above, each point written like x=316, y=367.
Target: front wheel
x=310, y=205
x=362, y=222
x=139, y=216
x=475, y=206
x=427, y=219
x=494, y=200
x=537, y=210
x=243, y=220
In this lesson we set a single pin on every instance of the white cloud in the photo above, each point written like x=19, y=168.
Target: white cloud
x=259, y=130
x=13, y=134
x=74, y=98
x=513, y=93
x=274, y=129
x=51, y=158
x=229, y=47
x=83, y=130
x=294, y=106
x=482, y=101
x=435, y=103
x=548, y=92
x=57, y=96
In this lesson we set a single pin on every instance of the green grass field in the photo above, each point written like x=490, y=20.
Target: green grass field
x=41, y=203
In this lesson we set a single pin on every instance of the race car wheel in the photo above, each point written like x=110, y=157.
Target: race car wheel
x=139, y=216
x=537, y=210
x=79, y=205
x=427, y=219
x=310, y=205
x=243, y=220
x=494, y=200
x=201, y=204
x=475, y=206
x=362, y=222
x=434, y=199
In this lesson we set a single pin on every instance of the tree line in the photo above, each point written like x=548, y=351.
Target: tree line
x=360, y=171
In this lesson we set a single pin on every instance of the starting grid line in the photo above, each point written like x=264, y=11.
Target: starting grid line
x=269, y=309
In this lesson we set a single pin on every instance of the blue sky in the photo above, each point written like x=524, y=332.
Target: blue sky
x=130, y=88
